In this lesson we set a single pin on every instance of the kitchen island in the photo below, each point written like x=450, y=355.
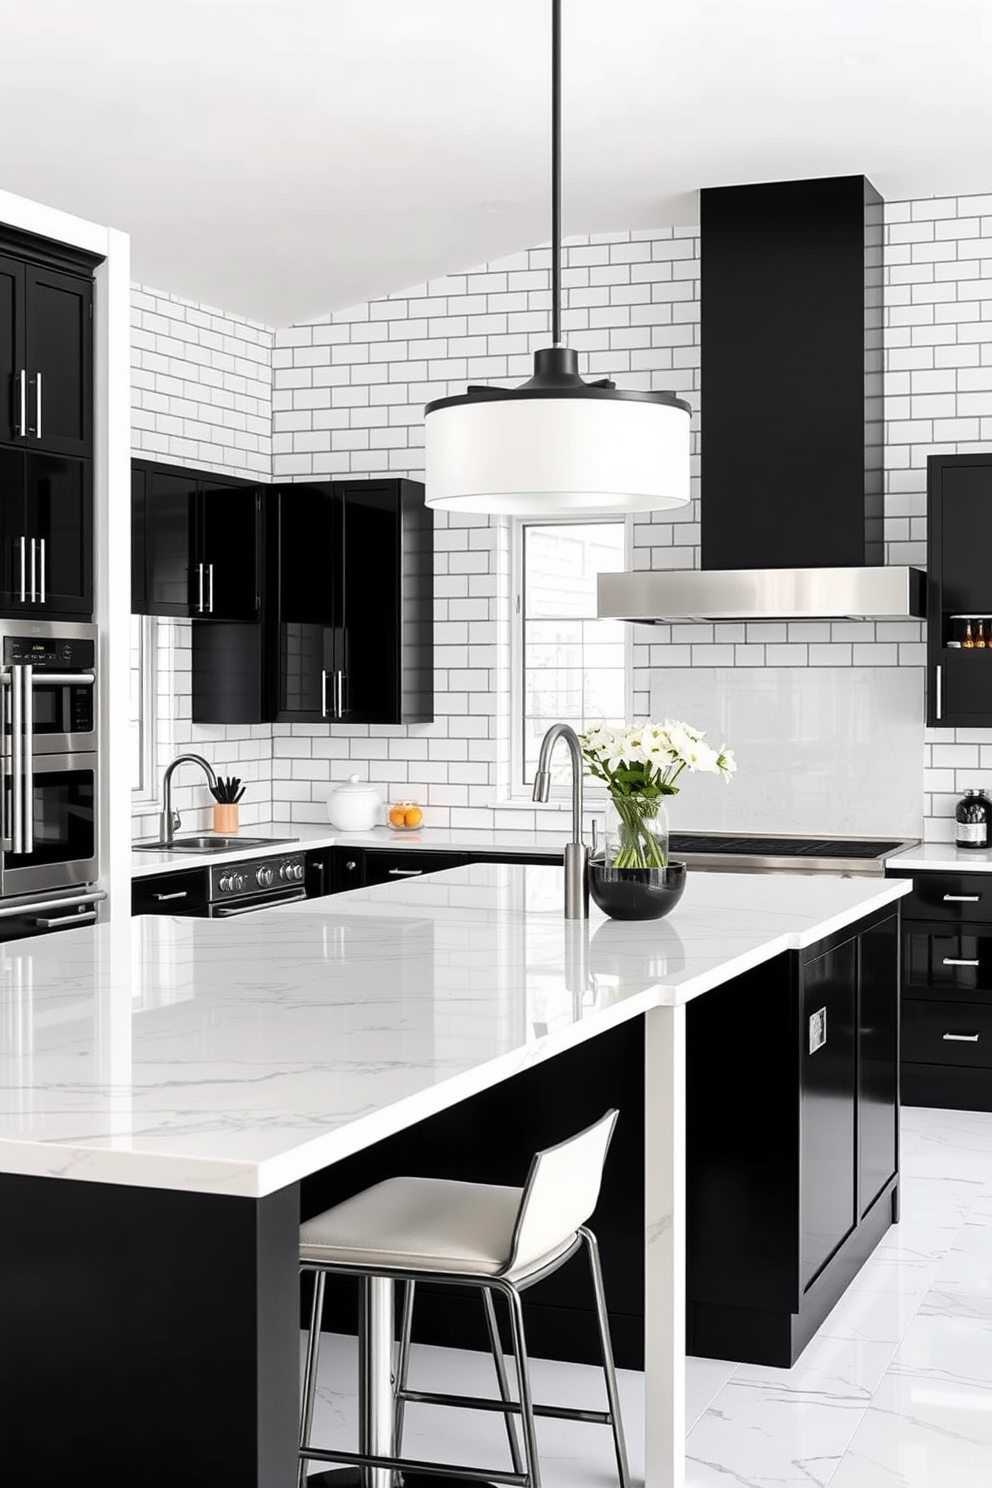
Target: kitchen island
x=168, y=1084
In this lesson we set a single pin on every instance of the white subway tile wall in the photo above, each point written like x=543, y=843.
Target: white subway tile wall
x=347, y=397
x=201, y=385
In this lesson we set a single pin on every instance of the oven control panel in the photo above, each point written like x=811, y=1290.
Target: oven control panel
x=49, y=653
x=257, y=877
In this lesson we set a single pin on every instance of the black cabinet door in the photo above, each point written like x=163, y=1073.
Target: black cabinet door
x=306, y=685
x=14, y=590
x=59, y=361
x=828, y=1096
x=139, y=542
x=878, y=1033
x=959, y=582
x=59, y=502
x=182, y=893
x=13, y=374
x=227, y=556
x=171, y=586
x=386, y=603
x=382, y=866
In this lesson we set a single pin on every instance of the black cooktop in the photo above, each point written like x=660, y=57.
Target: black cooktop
x=778, y=847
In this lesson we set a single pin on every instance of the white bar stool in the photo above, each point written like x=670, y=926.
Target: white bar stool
x=473, y=1234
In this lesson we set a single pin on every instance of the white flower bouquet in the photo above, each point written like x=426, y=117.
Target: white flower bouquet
x=639, y=765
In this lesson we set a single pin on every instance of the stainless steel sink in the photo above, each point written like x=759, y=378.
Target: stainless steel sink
x=210, y=842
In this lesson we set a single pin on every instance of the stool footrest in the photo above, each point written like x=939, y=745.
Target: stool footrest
x=505, y=1407
x=411, y=1465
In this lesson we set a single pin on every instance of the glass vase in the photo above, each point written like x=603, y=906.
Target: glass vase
x=636, y=832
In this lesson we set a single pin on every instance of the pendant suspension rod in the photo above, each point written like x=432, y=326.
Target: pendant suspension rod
x=556, y=172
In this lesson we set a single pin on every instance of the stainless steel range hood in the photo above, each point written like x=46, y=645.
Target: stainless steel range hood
x=763, y=594
x=791, y=478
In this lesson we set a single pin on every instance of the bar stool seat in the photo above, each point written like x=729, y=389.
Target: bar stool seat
x=494, y=1238
x=426, y=1224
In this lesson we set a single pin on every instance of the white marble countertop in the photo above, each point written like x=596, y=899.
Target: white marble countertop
x=304, y=835
x=236, y=1056
x=943, y=857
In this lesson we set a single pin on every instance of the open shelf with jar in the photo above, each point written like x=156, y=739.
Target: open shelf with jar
x=959, y=591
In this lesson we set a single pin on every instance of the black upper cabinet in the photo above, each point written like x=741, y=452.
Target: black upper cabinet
x=196, y=544
x=348, y=614
x=354, y=603
x=46, y=534
x=46, y=358
x=959, y=582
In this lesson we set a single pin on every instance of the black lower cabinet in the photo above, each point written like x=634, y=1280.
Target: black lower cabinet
x=185, y=1301
x=182, y=893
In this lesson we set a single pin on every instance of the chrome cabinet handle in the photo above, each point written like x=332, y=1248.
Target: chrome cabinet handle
x=939, y=706
x=323, y=694
x=42, y=595
x=961, y=898
x=405, y=872
x=34, y=578
x=200, y=601
x=27, y=701
x=24, y=587
x=351, y=865
x=339, y=694
x=22, y=428
x=178, y=894
x=959, y=961
x=37, y=414
x=17, y=758
x=210, y=588
x=86, y=918
x=961, y=1038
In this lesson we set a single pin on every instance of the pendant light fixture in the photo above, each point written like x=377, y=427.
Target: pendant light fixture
x=556, y=444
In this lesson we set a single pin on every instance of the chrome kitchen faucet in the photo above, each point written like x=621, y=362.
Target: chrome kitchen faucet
x=170, y=820
x=576, y=856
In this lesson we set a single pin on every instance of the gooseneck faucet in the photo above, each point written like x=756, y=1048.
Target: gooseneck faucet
x=576, y=854
x=169, y=820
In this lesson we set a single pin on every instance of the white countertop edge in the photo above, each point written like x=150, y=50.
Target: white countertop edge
x=943, y=857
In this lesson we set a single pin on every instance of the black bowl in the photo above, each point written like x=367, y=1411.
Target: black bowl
x=636, y=893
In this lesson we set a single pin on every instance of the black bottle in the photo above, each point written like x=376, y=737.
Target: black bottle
x=972, y=816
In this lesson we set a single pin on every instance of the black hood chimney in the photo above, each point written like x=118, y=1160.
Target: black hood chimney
x=791, y=347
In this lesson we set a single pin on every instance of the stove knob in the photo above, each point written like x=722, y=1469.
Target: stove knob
x=264, y=877
x=285, y=871
x=239, y=882
x=297, y=870
x=225, y=883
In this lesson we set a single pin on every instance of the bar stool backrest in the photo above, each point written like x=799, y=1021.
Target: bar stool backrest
x=561, y=1192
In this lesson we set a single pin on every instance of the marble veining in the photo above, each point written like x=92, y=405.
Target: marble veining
x=238, y=1056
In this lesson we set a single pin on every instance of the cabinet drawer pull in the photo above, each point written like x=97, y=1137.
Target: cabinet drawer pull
x=405, y=872
x=84, y=918
x=940, y=701
x=961, y=898
x=962, y=1038
x=179, y=894
x=960, y=961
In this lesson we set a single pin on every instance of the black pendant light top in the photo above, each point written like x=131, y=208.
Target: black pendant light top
x=556, y=368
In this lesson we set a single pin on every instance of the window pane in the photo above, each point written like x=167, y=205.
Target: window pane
x=573, y=664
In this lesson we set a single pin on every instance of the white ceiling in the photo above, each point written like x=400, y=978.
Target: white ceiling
x=282, y=158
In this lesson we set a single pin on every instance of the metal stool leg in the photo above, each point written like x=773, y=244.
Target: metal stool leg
x=523, y=1384
x=504, y=1388
x=609, y=1370
x=310, y=1372
x=403, y=1365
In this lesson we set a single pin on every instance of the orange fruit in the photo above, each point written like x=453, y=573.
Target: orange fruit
x=397, y=816
x=413, y=816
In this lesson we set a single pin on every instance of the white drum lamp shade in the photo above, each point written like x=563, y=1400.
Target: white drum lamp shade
x=592, y=450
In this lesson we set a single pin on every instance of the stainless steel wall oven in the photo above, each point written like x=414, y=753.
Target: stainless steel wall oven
x=48, y=761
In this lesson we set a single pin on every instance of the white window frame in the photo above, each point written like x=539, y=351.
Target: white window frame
x=147, y=793
x=518, y=791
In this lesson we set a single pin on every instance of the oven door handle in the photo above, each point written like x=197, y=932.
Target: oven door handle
x=41, y=905
x=17, y=758
x=55, y=679
x=226, y=911
x=27, y=682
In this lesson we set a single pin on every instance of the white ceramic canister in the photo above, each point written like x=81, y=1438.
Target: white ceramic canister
x=355, y=806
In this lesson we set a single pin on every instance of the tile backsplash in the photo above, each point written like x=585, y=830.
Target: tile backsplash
x=346, y=395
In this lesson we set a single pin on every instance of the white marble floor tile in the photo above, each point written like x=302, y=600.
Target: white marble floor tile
x=935, y=1200
x=765, y=1437
x=704, y=1379
x=839, y=1368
